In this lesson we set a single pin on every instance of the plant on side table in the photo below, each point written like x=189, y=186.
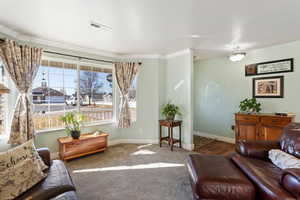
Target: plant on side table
x=170, y=111
x=250, y=106
x=73, y=122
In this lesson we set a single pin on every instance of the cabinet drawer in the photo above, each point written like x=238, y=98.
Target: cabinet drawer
x=275, y=121
x=247, y=118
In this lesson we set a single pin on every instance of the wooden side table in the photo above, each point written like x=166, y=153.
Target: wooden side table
x=169, y=138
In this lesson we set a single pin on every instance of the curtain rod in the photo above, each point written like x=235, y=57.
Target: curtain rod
x=73, y=56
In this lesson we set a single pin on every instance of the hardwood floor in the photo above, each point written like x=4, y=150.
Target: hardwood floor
x=212, y=147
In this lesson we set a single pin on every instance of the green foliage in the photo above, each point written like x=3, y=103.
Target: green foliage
x=73, y=121
x=170, y=110
x=250, y=105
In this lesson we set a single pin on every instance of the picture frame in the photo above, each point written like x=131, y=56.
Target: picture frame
x=271, y=67
x=268, y=87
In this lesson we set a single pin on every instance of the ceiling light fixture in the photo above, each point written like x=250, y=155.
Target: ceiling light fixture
x=100, y=26
x=195, y=36
x=237, y=55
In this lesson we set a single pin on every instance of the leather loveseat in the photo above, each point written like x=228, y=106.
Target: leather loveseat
x=215, y=177
x=271, y=182
x=57, y=185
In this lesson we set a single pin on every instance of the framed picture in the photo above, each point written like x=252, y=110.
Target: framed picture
x=268, y=87
x=272, y=67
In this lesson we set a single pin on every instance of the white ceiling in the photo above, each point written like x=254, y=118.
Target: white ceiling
x=157, y=26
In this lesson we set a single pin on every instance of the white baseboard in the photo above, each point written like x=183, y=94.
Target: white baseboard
x=132, y=141
x=189, y=147
x=216, y=137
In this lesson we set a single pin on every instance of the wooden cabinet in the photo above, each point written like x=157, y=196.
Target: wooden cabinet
x=260, y=126
x=87, y=144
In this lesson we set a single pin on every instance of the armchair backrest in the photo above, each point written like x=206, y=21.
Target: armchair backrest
x=290, y=140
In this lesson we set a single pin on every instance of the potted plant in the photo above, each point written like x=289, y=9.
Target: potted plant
x=170, y=111
x=250, y=106
x=73, y=122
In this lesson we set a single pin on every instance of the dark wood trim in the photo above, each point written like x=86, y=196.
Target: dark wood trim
x=274, y=61
x=270, y=77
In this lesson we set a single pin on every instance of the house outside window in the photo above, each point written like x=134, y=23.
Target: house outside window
x=66, y=86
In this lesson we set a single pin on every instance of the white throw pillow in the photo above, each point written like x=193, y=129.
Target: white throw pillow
x=20, y=169
x=283, y=160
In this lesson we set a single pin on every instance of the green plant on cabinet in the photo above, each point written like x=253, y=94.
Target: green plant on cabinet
x=250, y=106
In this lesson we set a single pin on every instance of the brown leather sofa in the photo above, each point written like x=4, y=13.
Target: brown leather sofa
x=270, y=181
x=210, y=178
x=57, y=185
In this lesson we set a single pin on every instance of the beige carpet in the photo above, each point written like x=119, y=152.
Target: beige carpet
x=132, y=172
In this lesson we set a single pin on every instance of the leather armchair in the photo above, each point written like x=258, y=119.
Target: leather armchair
x=45, y=155
x=290, y=180
x=57, y=185
x=256, y=149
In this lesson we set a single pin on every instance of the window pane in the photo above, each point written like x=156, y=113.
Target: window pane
x=132, y=99
x=55, y=92
x=96, y=94
x=2, y=102
x=50, y=96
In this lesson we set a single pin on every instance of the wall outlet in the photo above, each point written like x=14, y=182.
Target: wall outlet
x=232, y=127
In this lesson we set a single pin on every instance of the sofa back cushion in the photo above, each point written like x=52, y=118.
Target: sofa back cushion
x=20, y=169
x=290, y=140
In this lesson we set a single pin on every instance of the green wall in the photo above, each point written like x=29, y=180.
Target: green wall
x=219, y=86
x=179, y=82
x=148, y=102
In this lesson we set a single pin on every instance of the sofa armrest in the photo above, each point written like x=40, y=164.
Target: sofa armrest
x=290, y=180
x=45, y=155
x=256, y=149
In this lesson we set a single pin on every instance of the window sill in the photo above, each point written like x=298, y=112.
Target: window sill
x=84, y=126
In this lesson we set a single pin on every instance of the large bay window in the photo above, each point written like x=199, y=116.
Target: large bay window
x=61, y=87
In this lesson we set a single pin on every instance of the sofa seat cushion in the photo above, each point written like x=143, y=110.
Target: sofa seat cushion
x=265, y=176
x=57, y=182
x=216, y=177
x=71, y=195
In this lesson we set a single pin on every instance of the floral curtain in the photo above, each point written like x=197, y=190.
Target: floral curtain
x=22, y=63
x=125, y=73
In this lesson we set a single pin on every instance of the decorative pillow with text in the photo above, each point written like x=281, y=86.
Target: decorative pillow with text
x=20, y=169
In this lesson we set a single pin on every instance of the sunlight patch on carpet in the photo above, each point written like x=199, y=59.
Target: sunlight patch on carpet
x=144, y=145
x=143, y=152
x=118, y=168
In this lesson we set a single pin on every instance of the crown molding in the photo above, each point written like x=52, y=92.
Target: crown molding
x=68, y=46
x=63, y=45
x=178, y=53
x=141, y=56
x=8, y=31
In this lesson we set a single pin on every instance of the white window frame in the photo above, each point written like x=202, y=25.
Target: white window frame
x=5, y=135
x=79, y=62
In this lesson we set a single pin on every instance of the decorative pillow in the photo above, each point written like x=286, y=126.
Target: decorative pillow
x=283, y=160
x=19, y=178
x=20, y=168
